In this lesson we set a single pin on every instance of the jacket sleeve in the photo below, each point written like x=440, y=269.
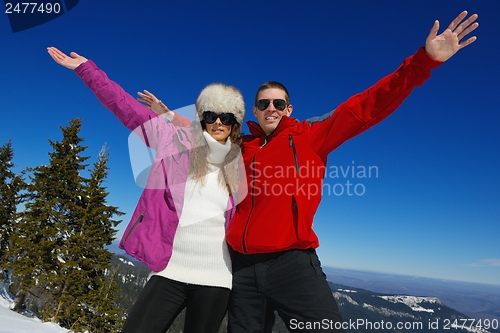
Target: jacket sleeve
x=180, y=121
x=131, y=113
x=368, y=108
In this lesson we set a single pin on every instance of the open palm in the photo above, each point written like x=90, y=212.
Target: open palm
x=62, y=59
x=444, y=46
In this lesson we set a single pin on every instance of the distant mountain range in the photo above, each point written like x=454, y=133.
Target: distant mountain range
x=478, y=301
x=368, y=311
x=363, y=310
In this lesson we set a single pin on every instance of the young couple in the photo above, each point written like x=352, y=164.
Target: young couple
x=210, y=257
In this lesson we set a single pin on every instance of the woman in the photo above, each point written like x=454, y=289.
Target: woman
x=178, y=226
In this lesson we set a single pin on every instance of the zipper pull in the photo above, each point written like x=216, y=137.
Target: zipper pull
x=265, y=142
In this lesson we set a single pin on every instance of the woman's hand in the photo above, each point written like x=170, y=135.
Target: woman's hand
x=63, y=60
x=155, y=104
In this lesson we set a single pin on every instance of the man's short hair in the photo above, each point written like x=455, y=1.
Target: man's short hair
x=270, y=85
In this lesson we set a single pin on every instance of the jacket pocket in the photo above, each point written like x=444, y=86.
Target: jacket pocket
x=136, y=223
x=315, y=263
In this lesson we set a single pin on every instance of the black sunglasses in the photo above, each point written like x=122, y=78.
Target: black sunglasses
x=279, y=104
x=225, y=118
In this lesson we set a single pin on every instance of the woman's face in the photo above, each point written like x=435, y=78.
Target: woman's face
x=218, y=130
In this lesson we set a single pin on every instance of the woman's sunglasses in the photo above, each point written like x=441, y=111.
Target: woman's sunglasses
x=225, y=118
x=279, y=104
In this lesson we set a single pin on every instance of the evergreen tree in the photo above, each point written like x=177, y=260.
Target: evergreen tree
x=61, y=265
x=96, y=291
x=10, y=197
x=102, y=228
x=53, y=210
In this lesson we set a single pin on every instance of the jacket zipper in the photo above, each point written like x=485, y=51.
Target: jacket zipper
x=139, y=220
x=294, y=208
x=265, y=142
x=297, y=169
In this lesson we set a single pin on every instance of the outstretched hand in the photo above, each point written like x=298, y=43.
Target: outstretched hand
x=442, y=47
x=156, y=105
x=63, y=60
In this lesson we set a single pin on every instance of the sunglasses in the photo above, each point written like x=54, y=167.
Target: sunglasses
x=279, y=104
x=225, y=118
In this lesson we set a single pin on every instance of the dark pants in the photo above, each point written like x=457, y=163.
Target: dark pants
x=291, y=282
x=163, y=299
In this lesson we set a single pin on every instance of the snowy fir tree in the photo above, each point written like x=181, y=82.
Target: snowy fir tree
x=59, y=246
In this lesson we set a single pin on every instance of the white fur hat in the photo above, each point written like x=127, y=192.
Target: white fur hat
x=220, y=98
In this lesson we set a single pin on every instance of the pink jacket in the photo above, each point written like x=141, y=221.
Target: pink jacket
x=150, y=234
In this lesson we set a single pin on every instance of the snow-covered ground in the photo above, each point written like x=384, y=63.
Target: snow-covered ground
x=12, y=322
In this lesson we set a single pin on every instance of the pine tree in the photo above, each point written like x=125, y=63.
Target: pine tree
x=102, y=227
x=41, y=242
x=10, y=197
x=60, y=262
x=96, y=291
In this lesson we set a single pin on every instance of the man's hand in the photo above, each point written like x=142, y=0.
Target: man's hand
x=442, y=47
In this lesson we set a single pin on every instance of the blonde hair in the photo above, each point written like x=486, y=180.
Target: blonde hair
x=229, y=171
x=218, y=98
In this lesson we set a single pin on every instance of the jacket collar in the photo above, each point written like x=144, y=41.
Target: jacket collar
x=284, y=123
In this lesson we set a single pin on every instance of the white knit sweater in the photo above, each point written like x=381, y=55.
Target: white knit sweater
x=200, y=254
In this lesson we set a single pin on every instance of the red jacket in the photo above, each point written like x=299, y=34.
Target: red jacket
x=285, y=170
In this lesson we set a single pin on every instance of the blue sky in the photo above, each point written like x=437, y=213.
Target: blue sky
x=431, y=209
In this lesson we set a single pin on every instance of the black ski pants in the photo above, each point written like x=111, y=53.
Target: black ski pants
x=291, y=282
x=162, y=299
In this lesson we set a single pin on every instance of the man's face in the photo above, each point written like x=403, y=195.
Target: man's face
x=270, y=117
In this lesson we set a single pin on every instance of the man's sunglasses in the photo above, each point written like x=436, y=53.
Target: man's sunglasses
x=279, y=104
x=225, y=118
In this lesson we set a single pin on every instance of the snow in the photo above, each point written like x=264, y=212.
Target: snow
x=339, y=296
x=127, y=262
x=412, y=301
x=388, y=312
x=347, y=290
x=13, y=322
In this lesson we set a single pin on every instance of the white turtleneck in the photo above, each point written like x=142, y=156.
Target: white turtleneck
x=200, y=254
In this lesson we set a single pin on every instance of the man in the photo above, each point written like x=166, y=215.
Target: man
x=275, y=265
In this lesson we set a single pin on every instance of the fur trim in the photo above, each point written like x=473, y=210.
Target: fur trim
x=219, y=98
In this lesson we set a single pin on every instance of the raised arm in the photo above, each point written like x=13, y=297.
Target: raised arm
x=373, y=105
x=126, y=108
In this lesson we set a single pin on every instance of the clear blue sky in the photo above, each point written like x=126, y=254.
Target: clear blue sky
x=432, y=205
